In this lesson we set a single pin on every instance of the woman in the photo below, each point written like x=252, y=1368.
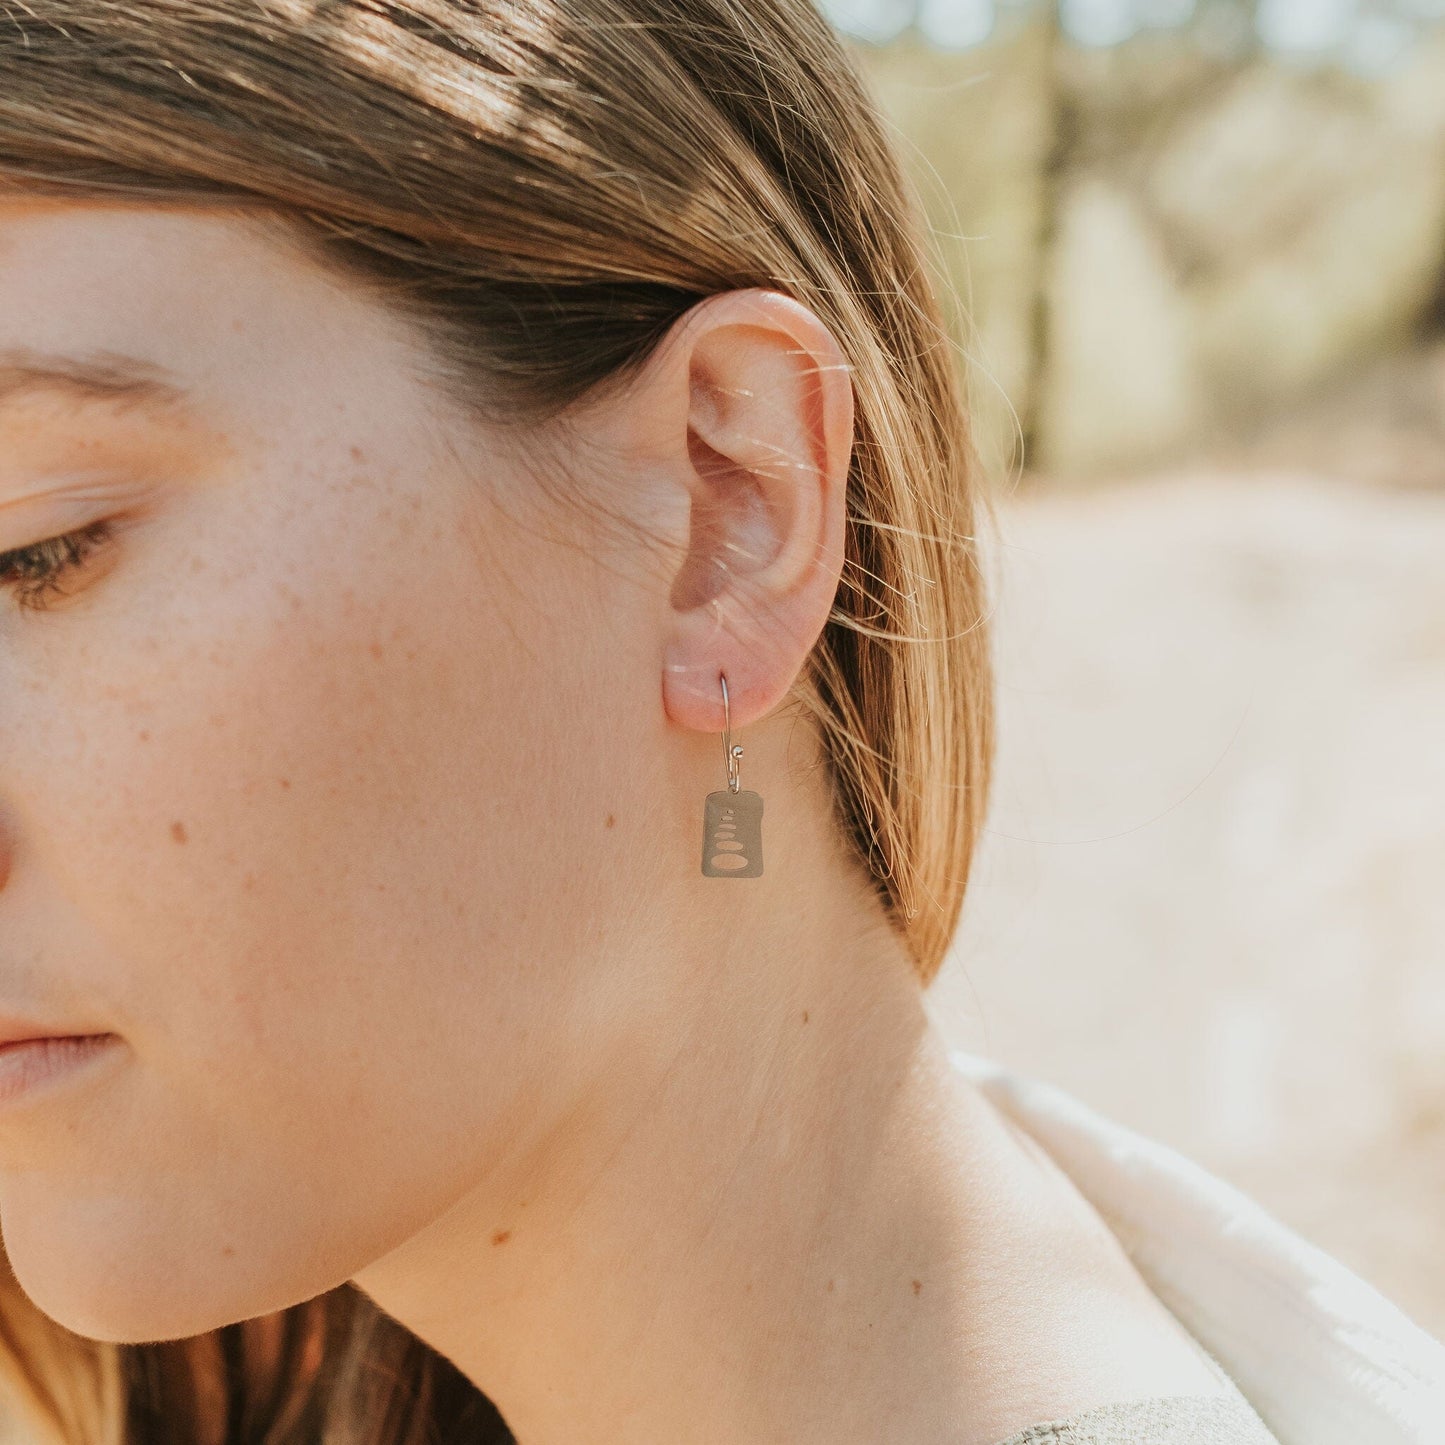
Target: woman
x=426, y=428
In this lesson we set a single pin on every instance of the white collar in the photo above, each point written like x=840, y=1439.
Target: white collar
x=1323, y=1357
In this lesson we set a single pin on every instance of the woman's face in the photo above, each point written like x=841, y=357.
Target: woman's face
x=313, y=790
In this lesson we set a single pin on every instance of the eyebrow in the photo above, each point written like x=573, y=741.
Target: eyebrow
x=99, y=376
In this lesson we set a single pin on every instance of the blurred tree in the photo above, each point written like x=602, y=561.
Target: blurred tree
x=1368, y=37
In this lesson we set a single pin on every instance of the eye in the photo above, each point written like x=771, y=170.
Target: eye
x=35, y=572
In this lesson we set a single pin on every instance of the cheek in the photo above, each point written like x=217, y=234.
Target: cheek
x=237, y=850
x=293, y=858
x=308, y=827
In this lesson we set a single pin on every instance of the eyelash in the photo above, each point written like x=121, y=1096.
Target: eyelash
x=35, y=570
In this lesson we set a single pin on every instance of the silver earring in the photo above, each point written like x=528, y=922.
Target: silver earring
x=732, y=833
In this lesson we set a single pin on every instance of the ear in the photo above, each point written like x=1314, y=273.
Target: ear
x=763, y=445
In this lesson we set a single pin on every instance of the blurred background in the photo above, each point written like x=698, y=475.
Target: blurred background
x=1198, y=248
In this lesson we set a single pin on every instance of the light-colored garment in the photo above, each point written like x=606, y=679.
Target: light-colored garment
x=1167, y=1420
x=1321, y=1356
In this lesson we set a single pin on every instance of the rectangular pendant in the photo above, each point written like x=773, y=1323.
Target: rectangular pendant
x=732, y=835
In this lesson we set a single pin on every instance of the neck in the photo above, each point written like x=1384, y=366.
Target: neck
x=760, y=1223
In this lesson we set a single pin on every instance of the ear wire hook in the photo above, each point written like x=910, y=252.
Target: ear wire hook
x=731, y=754
x=732, y=837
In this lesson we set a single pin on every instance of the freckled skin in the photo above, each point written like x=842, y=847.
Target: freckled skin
x=285, y=890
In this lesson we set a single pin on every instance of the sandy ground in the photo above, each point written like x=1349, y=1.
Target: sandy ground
x=1210, y=900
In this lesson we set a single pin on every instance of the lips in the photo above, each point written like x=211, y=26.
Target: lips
x=33, y=1069
x=15, y=1030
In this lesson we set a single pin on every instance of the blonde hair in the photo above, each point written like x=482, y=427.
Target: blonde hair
x=546, y=187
